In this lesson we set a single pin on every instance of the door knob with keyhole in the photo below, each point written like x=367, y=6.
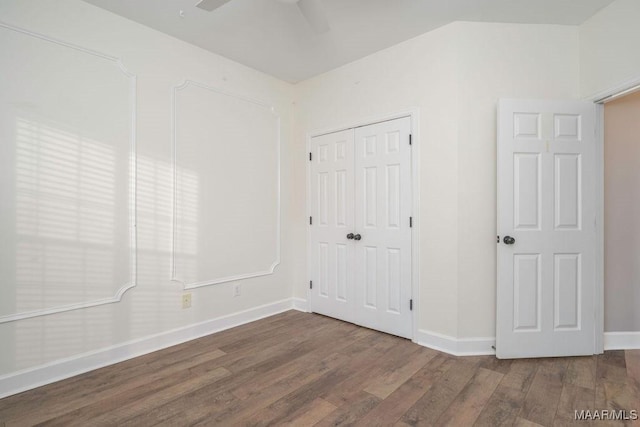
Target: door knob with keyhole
x=508, y=240
x=357, y=237
x=350, y=236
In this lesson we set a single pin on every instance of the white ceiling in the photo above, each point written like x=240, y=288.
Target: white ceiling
x=272, y=36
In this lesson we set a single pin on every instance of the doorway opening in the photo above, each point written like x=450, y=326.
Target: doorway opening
x=621, y=209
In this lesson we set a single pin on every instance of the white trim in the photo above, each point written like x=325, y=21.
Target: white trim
x=622, y=340
x=28, y=379
x=414, y=115
x=623, y=88
x=243, y=276
x=301, y=304
x=599, y=194
x=132, y=185
x=456, y=346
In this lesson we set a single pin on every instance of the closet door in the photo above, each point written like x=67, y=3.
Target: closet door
x=332, y=186
x=382, y=221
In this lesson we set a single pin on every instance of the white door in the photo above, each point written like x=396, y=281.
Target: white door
x=546, y=228
x=382, y=218
x=332, y=186
x=360, y=236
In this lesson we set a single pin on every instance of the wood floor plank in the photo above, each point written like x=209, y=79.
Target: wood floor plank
x=311, y=414
x=385, y=356
x=542, y=400
x=574, y=398
x=350, y=412
x=493, y=363
x=521, y=422
x=257, y=378
x=521, y=374
x=287, y=405
x=632, y=360
x=301, y=369
x=87, y=386
x=430, y=406
x=108, y=412
x=393, y=377
x=391, y=409
x=582, y=372
x=244, y=408
x=466, y=407
x=503, y=407
x=174, y=373
x=507, y=401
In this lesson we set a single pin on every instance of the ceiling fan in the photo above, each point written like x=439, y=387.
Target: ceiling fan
x=312, y=11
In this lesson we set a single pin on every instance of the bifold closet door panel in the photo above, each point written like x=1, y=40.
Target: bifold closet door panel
x=382, y=218
x=332, y=263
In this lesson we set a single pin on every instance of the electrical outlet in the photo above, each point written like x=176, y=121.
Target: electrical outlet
x=186, y=300
x=236, y=290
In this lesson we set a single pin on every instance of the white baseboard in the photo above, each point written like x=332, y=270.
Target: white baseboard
x=483, y=346
x=27, y=379
x=456, y=346
x=300, y=304
x=65, y=368
x=621, y=340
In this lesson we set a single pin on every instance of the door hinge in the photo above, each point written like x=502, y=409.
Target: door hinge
x=310, y=284
x=310, y=220
x=411, y=304
x=410, y=139
x=498, y=239
x=410, y=221
x=310, y=156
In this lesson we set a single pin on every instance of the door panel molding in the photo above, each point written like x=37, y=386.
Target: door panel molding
x=547, y=276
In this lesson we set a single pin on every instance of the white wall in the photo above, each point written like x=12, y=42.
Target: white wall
x=609, y=47
x=418, y=73
x=454, y=75
x=497, y=61
x=154, y=305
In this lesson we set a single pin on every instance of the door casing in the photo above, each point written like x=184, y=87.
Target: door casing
x=414, y=115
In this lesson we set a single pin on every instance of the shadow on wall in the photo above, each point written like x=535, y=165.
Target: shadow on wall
x=69, y=241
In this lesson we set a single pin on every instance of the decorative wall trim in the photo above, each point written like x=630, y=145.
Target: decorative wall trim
x=456, y=346
x=65, y=368
x=132, y=184
x=622, y=340
x=243, y=276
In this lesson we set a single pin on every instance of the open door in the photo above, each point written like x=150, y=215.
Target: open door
x=546, y=228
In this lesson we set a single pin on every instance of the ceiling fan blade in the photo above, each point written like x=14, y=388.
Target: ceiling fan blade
x=315, y=15
x=210, y=5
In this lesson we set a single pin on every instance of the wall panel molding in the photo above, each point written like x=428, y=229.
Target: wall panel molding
x=111, y=61
x=175, y=274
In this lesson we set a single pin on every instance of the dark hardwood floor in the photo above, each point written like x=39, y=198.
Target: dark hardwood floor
x=302, y=369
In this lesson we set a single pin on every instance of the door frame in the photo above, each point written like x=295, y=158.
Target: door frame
x=414, y=115
x=599, y=99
